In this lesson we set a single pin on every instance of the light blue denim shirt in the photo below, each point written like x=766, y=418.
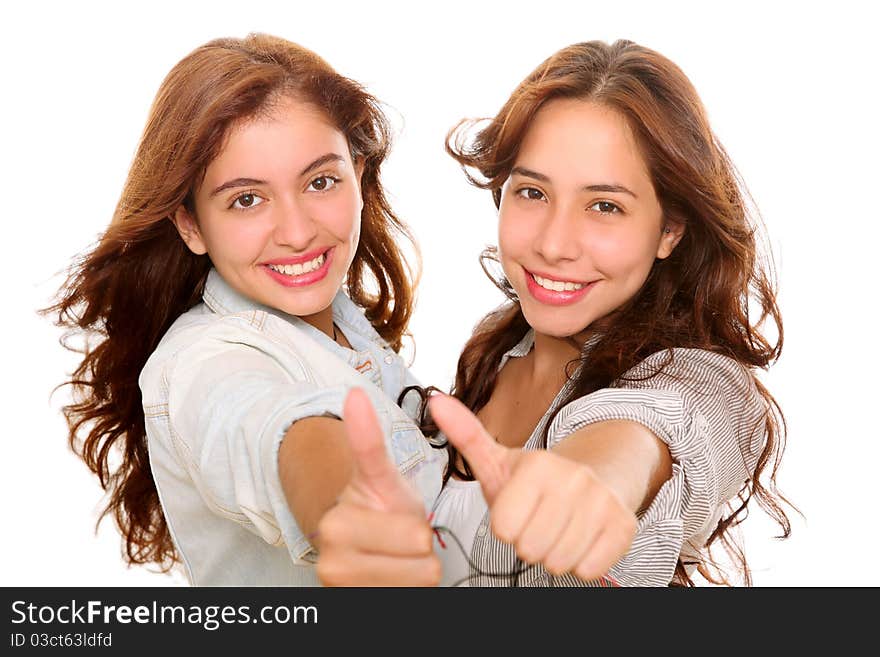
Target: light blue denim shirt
x=219, y=392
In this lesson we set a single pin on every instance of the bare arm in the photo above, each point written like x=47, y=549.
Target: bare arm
x=625, y=455
x=314, y=464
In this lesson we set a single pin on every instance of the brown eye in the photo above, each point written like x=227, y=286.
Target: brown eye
x=531, y=194
x=323, y=183
x=605, y=207
x=245, y=201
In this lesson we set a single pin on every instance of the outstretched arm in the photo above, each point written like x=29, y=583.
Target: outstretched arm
x=572, y=509
x=629, y=458
x=314, y=465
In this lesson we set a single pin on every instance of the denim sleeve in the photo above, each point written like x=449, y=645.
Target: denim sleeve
x=707, y=410
x=230, y=401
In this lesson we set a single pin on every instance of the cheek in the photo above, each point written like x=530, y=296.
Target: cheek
x=235, y=240
x=515, y=232
x=340, y=216
x=623, y=254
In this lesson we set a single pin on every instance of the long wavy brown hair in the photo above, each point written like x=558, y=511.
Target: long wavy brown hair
x=125, y=292
x=702, y=296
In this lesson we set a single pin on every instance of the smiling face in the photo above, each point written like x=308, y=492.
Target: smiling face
x=579, y=221
x=278, y=211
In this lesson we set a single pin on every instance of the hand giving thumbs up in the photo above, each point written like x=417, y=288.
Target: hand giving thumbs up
x=553, y=509
x=377, y=534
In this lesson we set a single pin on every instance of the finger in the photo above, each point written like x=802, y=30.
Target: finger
x=346, y=568
x=610, y=547
x=377, y=532
x=366, y=440
x=543, y=529
x=572, y=545
x=517, y=501
x=487, y=459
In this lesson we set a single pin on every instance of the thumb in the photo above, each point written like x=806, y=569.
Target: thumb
x=489, y=461
x=374, y=474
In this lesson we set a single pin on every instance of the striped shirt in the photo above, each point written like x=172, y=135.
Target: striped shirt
x=707, y=410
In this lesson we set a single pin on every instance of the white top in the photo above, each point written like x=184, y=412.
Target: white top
x=704, y=406
x=219, y=392
x=460, y=508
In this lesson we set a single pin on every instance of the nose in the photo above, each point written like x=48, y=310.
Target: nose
x=294, y=226
x=559, y=236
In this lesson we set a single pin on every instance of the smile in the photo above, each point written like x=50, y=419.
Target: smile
x=296, y=270
x=557, y=286
x=300, y=272
x=556, y=292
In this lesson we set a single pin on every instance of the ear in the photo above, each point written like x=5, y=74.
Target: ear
x=189, y=231
x=669, y=238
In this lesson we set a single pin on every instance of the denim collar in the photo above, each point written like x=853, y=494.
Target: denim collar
x=223, y=299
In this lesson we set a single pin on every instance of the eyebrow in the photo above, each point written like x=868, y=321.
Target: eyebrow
x=528, y=173
x=238, y=182
x=324, y=159
x=250, y=182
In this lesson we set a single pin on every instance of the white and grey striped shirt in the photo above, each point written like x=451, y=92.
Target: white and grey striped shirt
x=704, y=406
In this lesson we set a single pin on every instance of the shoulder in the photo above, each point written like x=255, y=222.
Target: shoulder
x=688, y=370
x=671, y=388
x=201, y=339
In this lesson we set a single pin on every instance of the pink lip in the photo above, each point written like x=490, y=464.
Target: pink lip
x=296, y=260
x=553, y=297
x=303, y=279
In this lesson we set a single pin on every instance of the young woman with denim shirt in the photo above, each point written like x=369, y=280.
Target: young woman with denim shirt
x=620, y=429
x=220, y=341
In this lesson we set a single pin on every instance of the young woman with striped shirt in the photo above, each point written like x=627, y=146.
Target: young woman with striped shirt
x=620, y=430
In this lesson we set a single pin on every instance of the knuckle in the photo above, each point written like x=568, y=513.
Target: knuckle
x=501, y=529
x=586, y=570
x=528, y=552
x=533, y=459
x=623, y=525
x=555, y=566
x=423, y=537
x=332, y=526
x=581, y=478
x=433, y=572
x=328, y=572
x=427, y=539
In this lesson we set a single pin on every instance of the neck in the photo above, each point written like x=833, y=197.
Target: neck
x=323, y=321
x=550, y=355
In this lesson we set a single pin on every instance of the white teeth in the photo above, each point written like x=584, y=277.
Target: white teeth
x=298, y=270
x=557, y=286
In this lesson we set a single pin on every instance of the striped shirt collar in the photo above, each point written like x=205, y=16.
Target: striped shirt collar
x=524, y=346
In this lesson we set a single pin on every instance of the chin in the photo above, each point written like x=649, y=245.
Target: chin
x=555, y=327
x=304, y=307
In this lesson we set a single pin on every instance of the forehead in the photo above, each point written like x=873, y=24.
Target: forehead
x=286, y=137
x=583, y=137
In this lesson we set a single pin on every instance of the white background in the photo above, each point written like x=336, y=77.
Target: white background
x=790, y=91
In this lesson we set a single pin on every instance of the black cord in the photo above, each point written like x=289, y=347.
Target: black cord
x=513, y=576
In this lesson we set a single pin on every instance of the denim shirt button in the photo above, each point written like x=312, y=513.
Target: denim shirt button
x=389, y=359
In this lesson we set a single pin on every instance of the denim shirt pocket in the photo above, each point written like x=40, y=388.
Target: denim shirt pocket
x=407, y=445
